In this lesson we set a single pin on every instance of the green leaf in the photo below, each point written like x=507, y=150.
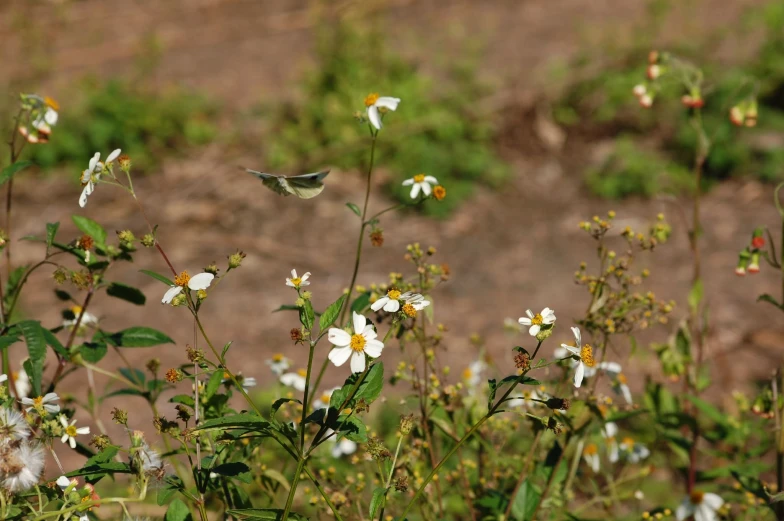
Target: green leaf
x=351, y=427
x=361, y=302
x=91, y=228
x=213, y=384
x=54, y=342
x=13, y=169
x=770, y=300
x=245, y=420
x=93, y=352
x=306, y=315
x=263, y=514
x=127, y=293
x=708, y=410
x=178, y=511
x=525, y=501
x=34, y=336
x=369, y=389
x=139, y=337
x=51, y=231
x=695, y=295
x=378, y=501
x=35, y=370
x=172, y=484
x=330, y=314
x=101, y=464
x=234, y=468
x=158, y=276
x=354, y=208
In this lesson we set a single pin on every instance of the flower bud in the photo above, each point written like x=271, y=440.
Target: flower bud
x=120, y=416
x=153, y=365
x=212, y=268
x=148, y=240
x=558, y=404
x=544, y=334
x=125, y=162
x=406, y=424
x=235, y=259
x=174, y=375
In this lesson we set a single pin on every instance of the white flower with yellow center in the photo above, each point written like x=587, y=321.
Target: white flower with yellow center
x=92, y=174
x=22, y=383
x=618, y=380
x=279, y=364
x=362, y=342
x=296, y=380
x=42, y=404
x=298, y=282
x=591, y=457
x=87, y=320
x=702, y=506
x=585, y=352
x=374, y=102
x=70, y=431
x=389, y=302
x=343, y=447
x=634, y=451
x=322, y=402
x=247, y=382
x=473, y=373
x=534, y=323
x=609, y=433
x=420, y=182
x=196, y=283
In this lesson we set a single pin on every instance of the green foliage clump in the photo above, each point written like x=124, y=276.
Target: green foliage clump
x=114, y=114
x=438, y=128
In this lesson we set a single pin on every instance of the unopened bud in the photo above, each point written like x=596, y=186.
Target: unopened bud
x=194, y=355
x=153, y=365
x=148, y=241
x=406, y=424
x=235, y=259
x=125, y=162
x=558, y=404
x=212, y=268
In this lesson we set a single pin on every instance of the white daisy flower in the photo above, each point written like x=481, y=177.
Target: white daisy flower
x=297, y=282
x=70, y=431
x=473, y=373
x=702, y=506
x=296, y=380
x=88, y=319
x=618, y=380
x=344, y=447
x=526, y=400
x=322, y=402
x=196, y=283
x=13, y=425
x=534, y=323
x=389, y=302
x=420, y=182
x=279, y=364
x=373, y=102
x=635, y=452
x=92, y=174
x=22, y=383
x=24, y=463
x=609, y=433
x=585, y=352
x=591, y=457
x=247, y=382
x=417, y=301
x=46, y=403
x=63, y=482
x=355, y=346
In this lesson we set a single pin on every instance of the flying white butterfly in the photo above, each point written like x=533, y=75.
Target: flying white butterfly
x=304, y=186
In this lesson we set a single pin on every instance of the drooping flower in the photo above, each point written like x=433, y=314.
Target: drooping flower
x=700, y=505
x=296, y=380
x=420, y=182
x=298, y=282
x=12, y=425
x=22, y=466
x=634, y=451
x=618, y=380
x=197, y=282
x=70, y=431
x=42, y=404
x=92, y=174
x=373, y=102
x=585, y=352
x=609, y=433
x=22, y=383
x=536, y=322
x=278, y=363
x=355, y=346
x=591, y=456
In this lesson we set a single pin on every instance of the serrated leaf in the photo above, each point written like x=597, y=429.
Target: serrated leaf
x=369, y=389
x=54, y=342
x=708, y=410
x=236, y=421
x=13, y=169
x=361, y=302
x=178, y=511
x=91, y=228
x=306, y=315
x=354, y=208
x=171, y=485
x=126, y=293
x=158, y=276
x=352, y=428
x=330, y=314
x=139, y=337
x=525, y=502
x=378, y=501
x=93, y=352
x=770, y=300
x=34, y=337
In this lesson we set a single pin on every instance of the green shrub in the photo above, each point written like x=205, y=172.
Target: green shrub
x=438, y=128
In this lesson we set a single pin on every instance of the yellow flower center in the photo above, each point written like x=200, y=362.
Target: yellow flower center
x=51, y=103
x=304, y=372
x=629, y=442
x=226, y=375
x=622, y=378
x=537, y=320
x=467, y=373
x=586, y=355
x=419, y=178
x=696, y=497
x=277, y=357
x=439, y=192
x=325, y=398
x=409, y=310
x=38, y=402
x=358, y=343
x=371, y=99
x=591, y=449
x=76, y=310
x=71, y=431
x=393, y=294
x=296, y=281
x=182, y=279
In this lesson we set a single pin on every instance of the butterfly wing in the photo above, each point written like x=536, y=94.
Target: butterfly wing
x=275, y=183
x=305, y=186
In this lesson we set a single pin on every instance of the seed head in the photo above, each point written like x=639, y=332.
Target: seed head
x=174, y=375
x=439, y=192
x=60, y=275
x=522, y=361
x=377, y=237
x=100, y=441
x=235, y=259
x=194, y=355
x=296, y=335
x=125, y=162
x=120, y=416
x=406, y=424
x=153, y=365
x=558, y=403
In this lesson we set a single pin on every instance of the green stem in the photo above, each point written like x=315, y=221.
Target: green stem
x=305, y=397
x=293, y=489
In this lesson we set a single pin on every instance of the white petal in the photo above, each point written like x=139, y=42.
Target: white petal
x=573, y=350
x=114, y=155
x=201, y=281
x=610, y=430
x=339, y=355
x=369, y=333
x=170, y=294
x=64, y=421
x=306, y=276
x=430, y=179
x=289, y=283
x=87, y=190
x=72, y=442
x=293, y=274
x=577, y=337
x=408, y=182
x=425, y=188
x=83, y=430
x=357, y=362
x=51, y=116
x=614, y=457
x=347, y=446
x=712, y=500
x=338, y=337
x=64, y=438
x=578, y=375
x=392, y=306
x=387, y=102
x=373, y=348
x=422, y=304
x=63, y=482
x=3, y=378
x=524, y=321
x=534, y=330
x=379, y=303
x=93, y=162
x=374, y=117
x=611, y=367
x=684, y=510
x=415, y=190
x=704, y=513
x=627, y=394
x=359, y=323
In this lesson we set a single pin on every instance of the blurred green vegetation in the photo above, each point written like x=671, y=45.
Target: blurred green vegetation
x=146, y=124
x=438, y=128
x=654, y=148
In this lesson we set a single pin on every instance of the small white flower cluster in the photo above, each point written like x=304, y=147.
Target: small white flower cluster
x=626, y=449
x=92, y=174
x=43, y=112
